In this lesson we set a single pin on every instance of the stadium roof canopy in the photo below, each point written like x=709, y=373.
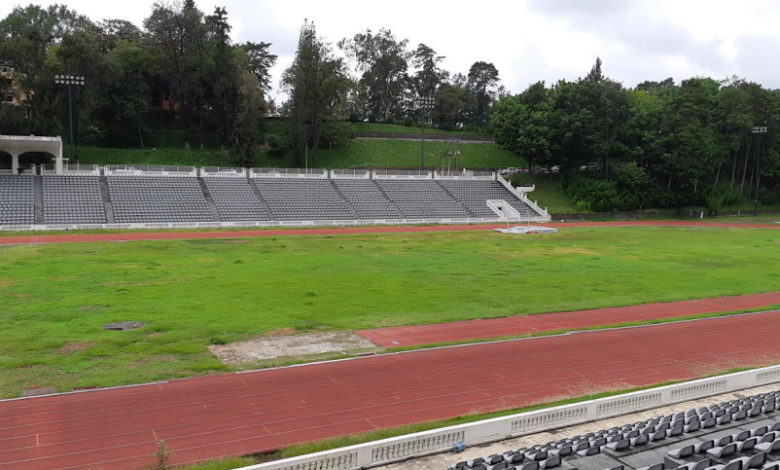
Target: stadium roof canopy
x=17, y=145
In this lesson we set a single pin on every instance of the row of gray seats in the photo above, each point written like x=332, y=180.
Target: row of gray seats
x=73, y=200
x=367, y=200
x=17, y=200
x=236, y=199
x=141, y=199
x=624, y=439
x=303, y=199
x=422, y=199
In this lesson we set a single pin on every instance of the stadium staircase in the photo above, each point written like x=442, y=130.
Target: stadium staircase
x=344, y=198
x=209, y=200
x=460, y=203
x=106, y=195
x=38, y=199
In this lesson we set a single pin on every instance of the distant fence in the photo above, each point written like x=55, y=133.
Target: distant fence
x=463, y=138
x=396, y=449
x=288, y=173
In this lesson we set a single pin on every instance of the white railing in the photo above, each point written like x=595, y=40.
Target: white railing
x=4, y=171
x=401, y=174
x=150, y=170
x=265, y=223
x=72, y=169
x=350, y=174
x=400, y=448
x=522, y=194
x=465, y=175
x=316, y=173
x=223, y=171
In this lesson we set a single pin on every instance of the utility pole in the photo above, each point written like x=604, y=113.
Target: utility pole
x=758, y=130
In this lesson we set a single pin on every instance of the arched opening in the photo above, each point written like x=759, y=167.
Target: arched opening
x=5, y=160
x=29, y=159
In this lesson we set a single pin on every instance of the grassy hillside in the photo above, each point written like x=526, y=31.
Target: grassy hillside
x=359, y=153
x=55, y=298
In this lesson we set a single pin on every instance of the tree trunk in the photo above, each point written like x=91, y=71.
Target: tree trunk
x=717, y=175
x=140, y=136
x=669, y=184
x=734, y=167
x=744, y=170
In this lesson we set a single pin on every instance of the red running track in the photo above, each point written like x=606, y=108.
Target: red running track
x=235, y=414
x=150, y=236
x=519, y=325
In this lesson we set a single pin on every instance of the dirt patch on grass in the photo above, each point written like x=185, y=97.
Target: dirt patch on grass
x=70, y=348
x=278, y=345
x=154, y=335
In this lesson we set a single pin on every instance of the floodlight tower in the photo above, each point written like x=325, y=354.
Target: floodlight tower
x=758, y=130
x=425, y=104
x=70, y=81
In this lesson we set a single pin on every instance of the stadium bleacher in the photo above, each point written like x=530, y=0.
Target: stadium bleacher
x=235, y=199
x=736, y=435
x=72, y=200
x=79, y=199
x=423, y=199
x=17, y=200
x=144, y=199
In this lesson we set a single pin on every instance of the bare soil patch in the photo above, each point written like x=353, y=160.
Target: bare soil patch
x=70, y=348
x=276, y=346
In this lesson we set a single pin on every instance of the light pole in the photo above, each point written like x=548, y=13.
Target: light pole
x=425, y=104
x=70, y=81
x=758, y=130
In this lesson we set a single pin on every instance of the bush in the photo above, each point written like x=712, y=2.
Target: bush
x=522, y=179
x=354, y=118
x=722, y=196
x=372, y=118
x=599, y=195
x=408, y=121
x=277, y=144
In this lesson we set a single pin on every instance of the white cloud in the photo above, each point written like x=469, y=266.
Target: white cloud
x=527, y=41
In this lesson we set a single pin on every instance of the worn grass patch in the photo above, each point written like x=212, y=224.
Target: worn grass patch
x=190, y=295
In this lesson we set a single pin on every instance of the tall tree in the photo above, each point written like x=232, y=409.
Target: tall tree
x=316, y=83
x=383, y=62
x=429, y=75
x=482, y=80
x=26, y=36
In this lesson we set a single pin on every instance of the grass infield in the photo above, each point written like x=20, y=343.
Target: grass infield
x=55, y=298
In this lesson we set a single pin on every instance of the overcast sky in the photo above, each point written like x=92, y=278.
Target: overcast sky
x=527, y=40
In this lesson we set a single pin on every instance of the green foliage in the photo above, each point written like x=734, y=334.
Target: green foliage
x=372, y=118
x=317, y=83
x=163, y=455
x=598, y=195
x=408, y=122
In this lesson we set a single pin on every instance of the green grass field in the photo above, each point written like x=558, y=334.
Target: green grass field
x=55, y=298
x=359, y=153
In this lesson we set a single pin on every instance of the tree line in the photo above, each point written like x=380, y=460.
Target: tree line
x=659, y=144
x=208, y=85
x=182, y=56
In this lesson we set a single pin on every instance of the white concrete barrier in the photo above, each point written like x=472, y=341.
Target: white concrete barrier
x=442, y=440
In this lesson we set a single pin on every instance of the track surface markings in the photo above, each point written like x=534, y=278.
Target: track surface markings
x=519, y=325
x=234, y=414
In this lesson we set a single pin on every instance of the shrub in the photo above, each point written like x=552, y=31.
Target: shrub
x=522, y=179
x=408, y=121
x=372, y=118
x=354, y=118
x=277, y=144
x=599, y=195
